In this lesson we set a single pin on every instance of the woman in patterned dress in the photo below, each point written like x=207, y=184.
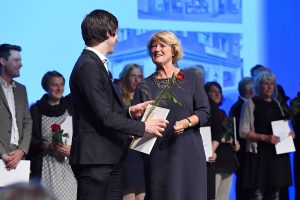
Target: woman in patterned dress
x=49, y=162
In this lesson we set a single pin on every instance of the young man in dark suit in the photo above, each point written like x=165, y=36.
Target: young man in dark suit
x=15, y=119
x=101, y=123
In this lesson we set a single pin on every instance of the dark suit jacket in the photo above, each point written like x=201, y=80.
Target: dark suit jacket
x=24, y=122
x=100, y=123
x=235, y=111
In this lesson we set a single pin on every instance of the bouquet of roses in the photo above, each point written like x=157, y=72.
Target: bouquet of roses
x=58, y=134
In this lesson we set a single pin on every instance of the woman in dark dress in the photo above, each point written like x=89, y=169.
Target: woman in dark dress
x=226, y=162
x=133, y=165
x=265, y=171
x=176, y=166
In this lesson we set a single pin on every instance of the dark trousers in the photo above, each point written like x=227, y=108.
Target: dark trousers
x=98, y=182
x=258, y=194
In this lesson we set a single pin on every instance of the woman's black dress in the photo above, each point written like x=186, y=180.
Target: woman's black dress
x=266, y=169
x=176, y=167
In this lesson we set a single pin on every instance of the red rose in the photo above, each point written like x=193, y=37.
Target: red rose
x=116, y=81
x=55, y=127
x=180, y=76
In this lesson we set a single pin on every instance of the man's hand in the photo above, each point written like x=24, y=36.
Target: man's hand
x=139, y=109
x=156, y=126
x=13, y=158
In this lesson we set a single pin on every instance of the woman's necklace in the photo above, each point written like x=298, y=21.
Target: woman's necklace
x=163, y=82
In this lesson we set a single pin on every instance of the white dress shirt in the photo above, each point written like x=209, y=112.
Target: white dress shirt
x=9, y=94
x=100, y=55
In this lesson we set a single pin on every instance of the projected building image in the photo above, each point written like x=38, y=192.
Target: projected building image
x=228, y=11
x=219, y=53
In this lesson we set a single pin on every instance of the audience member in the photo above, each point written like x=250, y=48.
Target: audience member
x=15, y=119
x=281, y=96
x=246, y=92
x=226, y=161
x=25, y=191
x=295, y=118
x=199, y=70
x=134, y=181
x=214, y=122
x=265, y=172
x=49, y=161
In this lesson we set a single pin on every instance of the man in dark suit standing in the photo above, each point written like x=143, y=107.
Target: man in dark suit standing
x=101, y=124
x=246, y=92
x=15, y=119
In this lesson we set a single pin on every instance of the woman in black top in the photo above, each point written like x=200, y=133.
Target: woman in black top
x=226, y=161
x=265, y=171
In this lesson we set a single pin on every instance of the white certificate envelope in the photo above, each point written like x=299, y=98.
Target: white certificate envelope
x=68, y=128
x=282, y=129
x=146, y=143
x=207, y=143
x=20, y=174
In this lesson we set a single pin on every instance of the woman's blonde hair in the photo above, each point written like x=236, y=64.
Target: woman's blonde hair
x=170, y=39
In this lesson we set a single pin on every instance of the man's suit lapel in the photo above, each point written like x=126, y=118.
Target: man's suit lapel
x=18, y=107
x=2, y=96
x=102, y=67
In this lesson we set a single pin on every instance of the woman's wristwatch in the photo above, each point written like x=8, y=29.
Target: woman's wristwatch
x=190, y=122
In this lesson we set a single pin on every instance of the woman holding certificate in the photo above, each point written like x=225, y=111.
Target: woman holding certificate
x=226, y=161
x=265, y=172
x=176, y=166
x=49, y=154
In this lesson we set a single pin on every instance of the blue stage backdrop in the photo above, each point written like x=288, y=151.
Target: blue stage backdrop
x=227, y=37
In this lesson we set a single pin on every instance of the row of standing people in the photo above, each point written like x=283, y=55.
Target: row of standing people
x=251, y=182
x=176, y=167
x=102, y=124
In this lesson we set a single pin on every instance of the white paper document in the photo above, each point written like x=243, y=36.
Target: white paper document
x=207, y=142
x=146, y=143
x=20, y=174
x=282, y=129
x=67, y=126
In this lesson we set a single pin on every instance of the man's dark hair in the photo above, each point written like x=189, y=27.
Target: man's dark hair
x=96, y=25
x=6, y=48
x=255, y=69
x=46, y=78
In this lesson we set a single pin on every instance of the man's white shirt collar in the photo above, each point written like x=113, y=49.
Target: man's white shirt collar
x=100, y=55
x=5, y=84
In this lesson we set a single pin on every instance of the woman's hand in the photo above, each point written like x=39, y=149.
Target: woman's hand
x=46, y=145
x=63, y=149
x=180, y=126
x=292, y=133
x=212, y=158
x=272, y=139
x=237, y=146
